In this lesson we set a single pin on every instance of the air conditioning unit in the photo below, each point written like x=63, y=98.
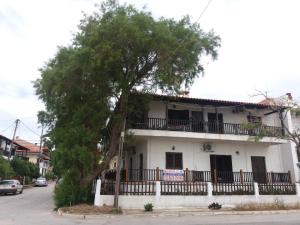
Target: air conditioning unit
x=207, y=147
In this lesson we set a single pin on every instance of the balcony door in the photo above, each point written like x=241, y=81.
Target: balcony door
x=259, y=169
x=178, y=119
x=197, y=121
x=215, y=124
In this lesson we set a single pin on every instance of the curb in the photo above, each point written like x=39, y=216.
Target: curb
x=178, y=213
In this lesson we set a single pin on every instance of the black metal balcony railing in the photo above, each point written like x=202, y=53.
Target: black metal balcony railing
x=202, y=176
x=207, y=127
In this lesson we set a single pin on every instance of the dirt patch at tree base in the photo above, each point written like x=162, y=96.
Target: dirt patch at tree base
x=85, y=209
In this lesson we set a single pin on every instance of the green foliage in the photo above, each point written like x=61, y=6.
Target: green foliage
x=23, y=168
x=50, y=175
x=148, y=207
x=86, y=86
x=69, y=193
x=296, y=111
x=6, y=170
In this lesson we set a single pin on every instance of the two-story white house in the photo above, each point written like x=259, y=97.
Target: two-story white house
x=208, y=135
x=189, y=146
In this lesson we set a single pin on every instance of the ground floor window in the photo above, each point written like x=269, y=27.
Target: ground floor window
x=174, y=160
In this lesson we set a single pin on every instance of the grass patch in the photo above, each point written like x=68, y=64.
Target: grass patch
x=85, y=209
x=276, y=205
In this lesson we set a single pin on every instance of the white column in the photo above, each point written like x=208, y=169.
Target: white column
x=209, y=189
x=297, y=189
x=256, y=189
x=97, y=200
x=157, y=189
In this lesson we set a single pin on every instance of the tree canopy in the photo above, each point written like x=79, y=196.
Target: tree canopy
x=86, y=86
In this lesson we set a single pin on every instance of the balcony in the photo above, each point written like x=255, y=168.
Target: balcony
x=207, y=127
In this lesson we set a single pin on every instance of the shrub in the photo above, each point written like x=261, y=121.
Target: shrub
x=23, y=168
x=50, y=175
x=6, y=170
x=215, y=205
x=70, y=192
x=148, y=207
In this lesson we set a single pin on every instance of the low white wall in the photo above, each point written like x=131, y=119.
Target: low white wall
x=138, y=202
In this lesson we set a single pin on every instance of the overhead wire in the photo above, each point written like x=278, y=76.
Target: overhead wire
x=28, y=128
x=7, y=128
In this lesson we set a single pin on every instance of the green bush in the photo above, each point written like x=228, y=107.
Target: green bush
x=6, y=170
x=70, y=192
x=50, y=175
x=24, y=168
x=148, y=207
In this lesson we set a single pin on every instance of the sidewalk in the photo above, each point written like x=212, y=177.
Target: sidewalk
x=179, y=212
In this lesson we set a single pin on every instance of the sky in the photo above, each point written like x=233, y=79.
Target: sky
x=260, y=49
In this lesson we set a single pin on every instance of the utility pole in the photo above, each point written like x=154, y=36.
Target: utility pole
x=41, y=139
x=13, y=139
x=41, y=152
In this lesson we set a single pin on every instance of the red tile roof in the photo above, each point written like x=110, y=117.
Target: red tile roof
x=214, y=102
x=33, y=148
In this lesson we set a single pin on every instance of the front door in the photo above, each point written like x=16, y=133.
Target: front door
x=130, y=169
x=215, y=125
x=141, y=166
x=221, y=168
x=259, y=169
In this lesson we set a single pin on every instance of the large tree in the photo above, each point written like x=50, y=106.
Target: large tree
x=86, y=86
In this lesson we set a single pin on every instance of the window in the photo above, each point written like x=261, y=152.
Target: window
x=174, y=160
x=178, y=114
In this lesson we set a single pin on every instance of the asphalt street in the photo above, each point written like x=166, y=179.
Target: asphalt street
x=35, y=207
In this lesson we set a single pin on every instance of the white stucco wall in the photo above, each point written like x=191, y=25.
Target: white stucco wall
x=157, y=109
x=288, y=151
x=138, y=202
x=140, y=147
x=194, y=158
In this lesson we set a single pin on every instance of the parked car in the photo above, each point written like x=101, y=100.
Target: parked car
x=41, y=181
x=10, y=186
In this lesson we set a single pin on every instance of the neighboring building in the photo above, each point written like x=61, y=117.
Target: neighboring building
x=296, y=119
x=35, y=154
x=5, y=147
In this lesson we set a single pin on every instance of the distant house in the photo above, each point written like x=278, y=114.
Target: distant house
x=5, y=147
x=35, y=154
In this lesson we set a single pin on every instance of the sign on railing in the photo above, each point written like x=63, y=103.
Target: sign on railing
x=173, y=175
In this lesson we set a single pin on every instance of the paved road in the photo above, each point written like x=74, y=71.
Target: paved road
x=35, y=207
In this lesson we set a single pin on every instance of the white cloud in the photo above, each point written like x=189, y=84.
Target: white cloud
x=260, y=47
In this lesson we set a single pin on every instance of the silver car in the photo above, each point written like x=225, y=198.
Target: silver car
x=10, y=186
x=41, y=181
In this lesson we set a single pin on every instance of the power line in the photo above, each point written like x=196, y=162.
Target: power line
x=203, y=11
x=28, y=128
x=7, y=128
x=201, y=14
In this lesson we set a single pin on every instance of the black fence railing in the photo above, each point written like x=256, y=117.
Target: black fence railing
x=194, y=188
x=233, y=189
x=183, y=188
x=277, y=189
x=207, y=127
